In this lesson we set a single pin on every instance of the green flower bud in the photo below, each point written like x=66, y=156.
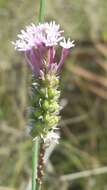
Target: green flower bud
x=53, y=93
x=53, y=121
x=53, y=107
x=45, y=105
x=47, y=118
x=43, y=92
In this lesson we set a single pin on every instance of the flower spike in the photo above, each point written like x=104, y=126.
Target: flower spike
x=39, y=44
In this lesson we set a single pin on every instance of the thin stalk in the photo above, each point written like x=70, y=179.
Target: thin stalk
x=34, y=163
x=36, y=141
x=41, y=10
x=39, y=188
x=40, y=164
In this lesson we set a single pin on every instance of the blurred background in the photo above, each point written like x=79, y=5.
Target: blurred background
x=83, y=143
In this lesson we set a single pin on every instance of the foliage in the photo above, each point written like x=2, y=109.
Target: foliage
x=84, y=126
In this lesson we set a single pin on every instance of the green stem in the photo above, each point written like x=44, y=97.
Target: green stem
x=36, y=142
x=42, y=10
x=34, y=163
x=39, y=187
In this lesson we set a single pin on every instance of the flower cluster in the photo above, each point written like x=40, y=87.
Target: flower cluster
x=39, y=45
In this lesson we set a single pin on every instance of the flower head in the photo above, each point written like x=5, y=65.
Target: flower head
x=39, y=44
x=48, y=33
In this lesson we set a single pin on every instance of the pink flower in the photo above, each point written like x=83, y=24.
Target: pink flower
x=39, y=41
x=65, y=51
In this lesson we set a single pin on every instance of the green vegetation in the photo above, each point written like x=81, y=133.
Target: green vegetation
x=83, y=143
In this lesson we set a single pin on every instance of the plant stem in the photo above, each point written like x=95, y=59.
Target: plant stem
x=39, y=188
x=40, y=19
x=42, y=10
x=40, y=164
x=35, y=145
x=34, y=163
